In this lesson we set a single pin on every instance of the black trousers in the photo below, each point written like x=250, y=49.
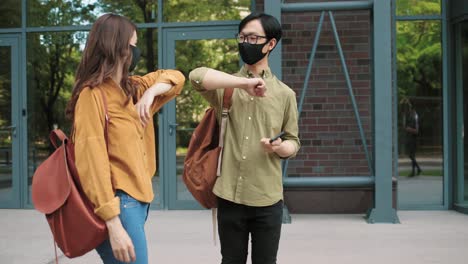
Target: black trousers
x=237, y=221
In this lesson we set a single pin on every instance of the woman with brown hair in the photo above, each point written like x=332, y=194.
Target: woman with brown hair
x=116, y=169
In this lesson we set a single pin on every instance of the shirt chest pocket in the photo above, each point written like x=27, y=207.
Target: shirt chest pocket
x=272, y=113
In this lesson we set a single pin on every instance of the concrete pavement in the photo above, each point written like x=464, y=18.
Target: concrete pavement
x=179, y=237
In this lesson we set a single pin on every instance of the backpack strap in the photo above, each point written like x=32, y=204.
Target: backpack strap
x=227, y=98
x=227, y=102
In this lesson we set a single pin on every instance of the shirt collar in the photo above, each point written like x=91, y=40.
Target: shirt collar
x=266, y=73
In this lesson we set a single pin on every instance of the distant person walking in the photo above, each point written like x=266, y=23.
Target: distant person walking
x=412, y=132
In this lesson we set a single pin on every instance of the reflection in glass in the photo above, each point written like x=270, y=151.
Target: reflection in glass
x=418, y=7
x=5, y=122
x=11, y=13
x=465, y=105
x=190, y=106
x=420, y=122
x=52, y=61
x=204, y=10
x=85, y=12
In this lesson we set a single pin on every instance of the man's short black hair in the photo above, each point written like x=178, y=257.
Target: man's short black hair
x=270, y=25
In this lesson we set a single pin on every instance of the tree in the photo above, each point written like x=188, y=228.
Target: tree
x=52, y=60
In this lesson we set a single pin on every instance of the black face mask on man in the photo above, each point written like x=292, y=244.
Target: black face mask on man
x=136, y=52
x=251, y=53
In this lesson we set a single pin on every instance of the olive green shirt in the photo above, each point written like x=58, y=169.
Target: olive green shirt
x=249, y=175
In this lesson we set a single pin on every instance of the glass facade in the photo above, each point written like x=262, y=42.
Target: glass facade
x=56, y=33
x=55, y=39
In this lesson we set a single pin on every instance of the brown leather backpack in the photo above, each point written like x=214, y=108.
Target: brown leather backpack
x=57, y=192
x=202, y=164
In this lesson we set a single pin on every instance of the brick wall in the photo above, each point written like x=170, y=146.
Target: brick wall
x=331, y=142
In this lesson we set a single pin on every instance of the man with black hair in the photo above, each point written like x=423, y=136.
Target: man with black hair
x=250, y=187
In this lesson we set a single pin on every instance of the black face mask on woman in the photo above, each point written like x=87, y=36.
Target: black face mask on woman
x=136, y=52
x=251, y=53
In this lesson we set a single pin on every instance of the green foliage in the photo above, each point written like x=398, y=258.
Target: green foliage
x=418, y=7
x=59, y=13
x=53, y=56
x=204, y=10
x=418, y=57
x=52, y=60
x=218, y=54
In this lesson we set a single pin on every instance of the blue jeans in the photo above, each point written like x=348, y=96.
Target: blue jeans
x=133, y=216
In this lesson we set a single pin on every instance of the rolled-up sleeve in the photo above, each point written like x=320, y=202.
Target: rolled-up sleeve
x=196, y=79
x=290, y=123
x=91, y=157
x=173, y=77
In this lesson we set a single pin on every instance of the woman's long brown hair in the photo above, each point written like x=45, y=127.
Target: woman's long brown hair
x=107, y=47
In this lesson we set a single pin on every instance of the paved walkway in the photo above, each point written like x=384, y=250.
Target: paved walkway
x=179, y=237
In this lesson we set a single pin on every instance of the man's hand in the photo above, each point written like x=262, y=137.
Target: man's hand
x=121, y=243
x=255, y=87
x=271, y=147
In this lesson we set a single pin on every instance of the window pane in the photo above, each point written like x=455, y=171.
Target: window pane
x=52, y=59
x=11, y=13
x=6, y=140
x=85, y=12
x=419, y=70
x=418, y=7
x=190, y=106
x=204, y=10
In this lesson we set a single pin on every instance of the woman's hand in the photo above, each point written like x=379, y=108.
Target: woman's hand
x=144, y=104
x=121, y=244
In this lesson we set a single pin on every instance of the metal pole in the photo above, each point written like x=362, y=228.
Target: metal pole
x=383, y=211
x=351, y=93
x=351, y=181
x=327, y=6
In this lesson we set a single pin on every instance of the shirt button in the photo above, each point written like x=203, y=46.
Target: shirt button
x=251, y=98
x=240, y=177
x=246, y=137
x=244, y=157
x=250, y=118
x=197, y=81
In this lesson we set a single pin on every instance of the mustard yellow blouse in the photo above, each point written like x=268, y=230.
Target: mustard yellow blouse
x=130, y=161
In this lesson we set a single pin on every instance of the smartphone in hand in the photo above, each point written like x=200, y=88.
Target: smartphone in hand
x=276, y=137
